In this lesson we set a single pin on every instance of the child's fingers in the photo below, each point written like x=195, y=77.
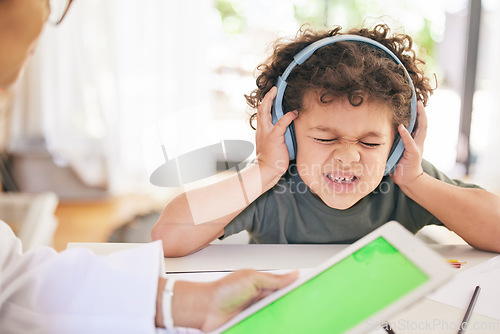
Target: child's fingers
x=421, y=131
x=282, y=124
x=264, y=119
x=408, y=141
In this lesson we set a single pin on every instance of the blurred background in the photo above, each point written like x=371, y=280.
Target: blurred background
x=120, y=86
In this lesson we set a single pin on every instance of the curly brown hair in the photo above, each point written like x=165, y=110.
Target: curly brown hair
x=346, y=69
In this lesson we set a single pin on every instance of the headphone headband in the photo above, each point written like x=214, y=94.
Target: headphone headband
x=303, y=55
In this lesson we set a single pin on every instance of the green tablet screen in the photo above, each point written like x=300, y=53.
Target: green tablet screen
x=341, y=297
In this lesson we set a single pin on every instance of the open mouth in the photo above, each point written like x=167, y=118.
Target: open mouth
x=342, y=179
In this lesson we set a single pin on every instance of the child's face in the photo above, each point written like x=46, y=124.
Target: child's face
x=342, y=150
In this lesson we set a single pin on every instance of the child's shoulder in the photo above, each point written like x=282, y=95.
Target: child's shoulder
x=430, y=169
x=433, y=171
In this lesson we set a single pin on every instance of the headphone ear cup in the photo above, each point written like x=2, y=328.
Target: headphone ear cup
x=289, y=136
x=276, y=114
x=292, y=147
x=274, y=117
x=394, y=157
x=398, y=147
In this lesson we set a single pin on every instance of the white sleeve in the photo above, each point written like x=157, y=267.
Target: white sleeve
x=76, y=291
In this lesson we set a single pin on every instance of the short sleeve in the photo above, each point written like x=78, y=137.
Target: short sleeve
x=414, y=215
x=437, y=174
x=243, y=221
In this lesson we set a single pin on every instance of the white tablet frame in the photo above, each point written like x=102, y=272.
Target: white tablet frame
x=426, y=259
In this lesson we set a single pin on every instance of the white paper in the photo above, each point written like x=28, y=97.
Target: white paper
x=459, y=290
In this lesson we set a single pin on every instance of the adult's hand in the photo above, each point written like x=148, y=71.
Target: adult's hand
x=207, y=306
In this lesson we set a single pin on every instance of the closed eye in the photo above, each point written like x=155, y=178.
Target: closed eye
x=370, y=145
x=326, y=141
x=331, y=141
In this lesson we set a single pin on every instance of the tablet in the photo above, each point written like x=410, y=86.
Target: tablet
x=354, y=291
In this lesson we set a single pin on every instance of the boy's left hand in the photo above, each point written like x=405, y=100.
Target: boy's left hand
x=409, y=167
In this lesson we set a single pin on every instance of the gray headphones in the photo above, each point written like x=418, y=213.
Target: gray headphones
x=299, y=58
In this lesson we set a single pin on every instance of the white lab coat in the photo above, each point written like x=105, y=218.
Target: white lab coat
x=75, y=291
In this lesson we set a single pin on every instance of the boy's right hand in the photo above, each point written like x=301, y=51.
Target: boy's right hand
x=272, y=153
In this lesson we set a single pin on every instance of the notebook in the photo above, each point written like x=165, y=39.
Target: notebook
x=354, y=291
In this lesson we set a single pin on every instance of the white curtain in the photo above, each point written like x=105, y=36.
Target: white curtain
x=107, y=76
x=487, y=173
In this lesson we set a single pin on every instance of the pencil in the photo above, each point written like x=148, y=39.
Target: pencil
x=468, y=313
x=456, y=263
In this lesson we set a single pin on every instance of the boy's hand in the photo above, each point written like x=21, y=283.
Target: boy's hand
x=409, y=167
x=272, y=153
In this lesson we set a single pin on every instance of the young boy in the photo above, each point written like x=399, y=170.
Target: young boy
x=348, y=103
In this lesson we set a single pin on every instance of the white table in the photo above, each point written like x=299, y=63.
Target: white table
x=270, y=257
x=426, y=316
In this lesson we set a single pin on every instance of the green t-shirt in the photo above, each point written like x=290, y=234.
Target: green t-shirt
x=290, y=213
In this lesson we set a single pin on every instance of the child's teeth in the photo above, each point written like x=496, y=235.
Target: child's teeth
x=342, y=179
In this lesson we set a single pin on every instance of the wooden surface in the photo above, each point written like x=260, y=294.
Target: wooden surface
x=94, y=221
